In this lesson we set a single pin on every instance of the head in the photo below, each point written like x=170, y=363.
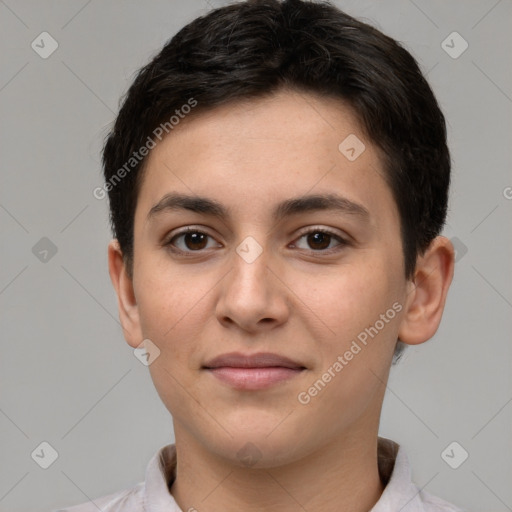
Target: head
x=253, y=123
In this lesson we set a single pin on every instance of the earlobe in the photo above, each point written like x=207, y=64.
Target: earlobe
x=428, y=291
x=126, y=301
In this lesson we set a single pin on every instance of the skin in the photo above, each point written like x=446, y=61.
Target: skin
x=293, y=300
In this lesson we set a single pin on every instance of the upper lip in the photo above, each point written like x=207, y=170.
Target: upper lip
x=261, y=360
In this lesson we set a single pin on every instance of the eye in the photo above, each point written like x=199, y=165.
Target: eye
x=191, y=240
x=320, y=240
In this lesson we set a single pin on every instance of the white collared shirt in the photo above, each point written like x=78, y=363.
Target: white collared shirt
x=153, y=495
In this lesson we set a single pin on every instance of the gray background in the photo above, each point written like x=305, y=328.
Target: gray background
x=66, y=374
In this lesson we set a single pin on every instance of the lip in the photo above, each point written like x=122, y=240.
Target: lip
x=253, y=372
x=260, y=360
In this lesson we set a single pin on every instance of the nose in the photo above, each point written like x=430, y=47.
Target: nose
x=251, y=296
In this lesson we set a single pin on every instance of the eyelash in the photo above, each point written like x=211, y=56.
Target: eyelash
x=341, y=241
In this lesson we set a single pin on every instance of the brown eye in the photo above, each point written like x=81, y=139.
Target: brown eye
x=319, y=240
x=195, y=240
x=191, y=241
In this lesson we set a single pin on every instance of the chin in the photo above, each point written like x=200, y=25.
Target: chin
x=255, y=448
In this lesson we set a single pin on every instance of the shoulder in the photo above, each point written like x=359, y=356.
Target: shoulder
x=127, y=500
x=146, y=495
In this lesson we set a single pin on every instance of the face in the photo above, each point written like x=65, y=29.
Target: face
x=257, y=233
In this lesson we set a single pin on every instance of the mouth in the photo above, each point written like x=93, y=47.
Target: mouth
x=253, y=372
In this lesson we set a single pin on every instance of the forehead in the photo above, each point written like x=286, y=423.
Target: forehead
x=253, y=153
x=288, y=120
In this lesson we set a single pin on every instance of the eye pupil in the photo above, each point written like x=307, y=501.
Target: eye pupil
x=319, y=240
x=194, y=238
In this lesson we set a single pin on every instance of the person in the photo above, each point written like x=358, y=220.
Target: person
x=278, y=180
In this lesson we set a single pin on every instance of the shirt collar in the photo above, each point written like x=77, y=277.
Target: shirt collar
x=400, y=492
x=394, y=470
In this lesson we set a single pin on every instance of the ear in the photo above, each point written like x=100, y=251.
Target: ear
x=127, y=304
x=427, y=294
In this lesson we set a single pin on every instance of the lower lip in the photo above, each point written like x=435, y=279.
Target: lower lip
x=254, y=378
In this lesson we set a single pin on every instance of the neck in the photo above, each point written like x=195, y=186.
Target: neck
x=341, y=475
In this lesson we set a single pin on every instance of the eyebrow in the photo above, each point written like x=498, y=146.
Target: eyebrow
x=289, y=207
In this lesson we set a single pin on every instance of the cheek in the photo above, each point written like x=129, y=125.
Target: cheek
x=173, y=315
x=354, y=360
x=164, y=294
x=344, y=300
x=172, y=311
x=350, y=302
